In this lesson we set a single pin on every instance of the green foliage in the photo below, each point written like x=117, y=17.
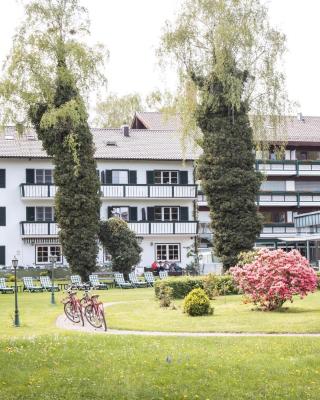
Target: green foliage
x=247, y=257
x=180, y=286
x=197, y=303
x=115, y=111
x=318, y=276
x=51, y=29
x=9, y=277
x=212, y=284
x=210, y=38
x=121, y=243
x=226, y=170
x=164, y=294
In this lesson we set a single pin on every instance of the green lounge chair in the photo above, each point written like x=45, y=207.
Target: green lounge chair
x=149, y=277
x=46, y=284
x=95, y=282
x=135, y=281
x=4, y=288
x=29, y=286
x=120, y=282
x=163, y=274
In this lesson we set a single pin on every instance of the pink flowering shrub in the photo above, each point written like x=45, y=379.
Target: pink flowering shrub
x=274, y=277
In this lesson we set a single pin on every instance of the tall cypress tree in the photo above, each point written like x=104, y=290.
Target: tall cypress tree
x=226, y=170
x=66, y=137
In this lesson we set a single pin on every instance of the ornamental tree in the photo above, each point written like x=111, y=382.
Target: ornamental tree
x=122, y=244
x=228, y=61
x=274, y=277
x=45, y=81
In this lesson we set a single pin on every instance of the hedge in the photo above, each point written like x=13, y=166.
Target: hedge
x=223, y=284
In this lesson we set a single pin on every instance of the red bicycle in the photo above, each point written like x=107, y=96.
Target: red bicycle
x=93, y=310
x=73, y=307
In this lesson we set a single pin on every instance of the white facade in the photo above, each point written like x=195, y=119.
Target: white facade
x=32, y=241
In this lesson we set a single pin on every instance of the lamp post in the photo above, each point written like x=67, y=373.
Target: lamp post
x=16, y=310
x=53, y=260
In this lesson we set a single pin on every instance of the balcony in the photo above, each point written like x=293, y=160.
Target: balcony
x=288, y=167
x=285, y=229
x=45, y=191
x=141, y=228
x=287, y=199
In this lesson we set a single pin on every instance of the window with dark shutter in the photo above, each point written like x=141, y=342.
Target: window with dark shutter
x=150, y=177
x=184, y=213
x=183, y=175
x=2, y=255
x=110, y=215
x=150, y=213
x=133, y=177
x=30, y=176
x=108, y=177
x=30, y=214
x=133, y=213
x=2, y=216
x=2, y=178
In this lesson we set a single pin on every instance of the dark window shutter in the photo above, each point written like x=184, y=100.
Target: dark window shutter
x=183, y=177
x=2, y=255
x=30, y=214
x=150, y=177
x=103, y=177
x=2, y=216
x=132, y=177
x=133, y=214
x=2, y=178
x=150, y=213
x=143, y=211
x=184, y=213
x=110, y=211
x=29, y=175
x=108, y=177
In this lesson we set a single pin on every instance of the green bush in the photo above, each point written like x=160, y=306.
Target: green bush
x=318, y=276
x=165, y=294
x=212, y=284
x=9, y=277
x=180, y=286
x=197, y=303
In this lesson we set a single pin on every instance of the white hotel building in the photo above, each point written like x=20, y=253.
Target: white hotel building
x=143, y=179
x=148, y=179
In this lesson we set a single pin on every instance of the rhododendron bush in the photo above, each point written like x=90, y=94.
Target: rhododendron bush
x=274, y=277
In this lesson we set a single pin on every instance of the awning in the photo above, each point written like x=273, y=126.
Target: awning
x=298, y=238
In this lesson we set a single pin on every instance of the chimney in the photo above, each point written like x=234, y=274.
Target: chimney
x=125, y=130
x=300, y=116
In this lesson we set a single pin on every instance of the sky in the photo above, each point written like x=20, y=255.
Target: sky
x=131, y=30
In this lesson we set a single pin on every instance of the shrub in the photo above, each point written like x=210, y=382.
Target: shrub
x=180, y=286
x=9, y=277
x=274, y=277
x=197, y=303
x=223, y=284
x=165, y=295
x=318, y=278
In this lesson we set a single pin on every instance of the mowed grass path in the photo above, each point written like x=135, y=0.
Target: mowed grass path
x=40, y=361
x=140, y=311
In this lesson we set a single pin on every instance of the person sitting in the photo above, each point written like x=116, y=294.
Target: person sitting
x=154, y=266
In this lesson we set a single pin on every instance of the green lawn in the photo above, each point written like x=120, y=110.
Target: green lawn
x=115, y=367
x=39, y=361
x=140, y=311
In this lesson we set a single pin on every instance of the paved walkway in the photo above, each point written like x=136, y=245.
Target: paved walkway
x=64, y=323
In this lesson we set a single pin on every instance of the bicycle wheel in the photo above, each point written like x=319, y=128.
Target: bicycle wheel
x=72, y=314
x=92, y=316
x=104, y=322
